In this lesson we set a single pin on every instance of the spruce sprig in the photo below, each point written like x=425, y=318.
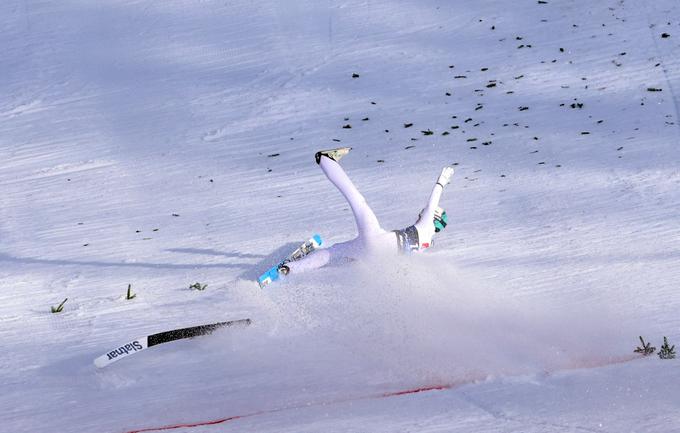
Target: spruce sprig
x=198, y=286
x=645, y=349
x=666, y=351
x=59, y=308
x=129, y=294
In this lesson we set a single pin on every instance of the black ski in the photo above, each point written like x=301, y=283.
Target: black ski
x=163, y=337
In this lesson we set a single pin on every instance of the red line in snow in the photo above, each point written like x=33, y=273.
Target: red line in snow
x=196, y=424
x=417, y=390
x=583, y=364
x=301, y=406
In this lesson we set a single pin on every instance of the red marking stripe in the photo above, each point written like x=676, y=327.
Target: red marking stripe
x=197, y=424
x=583, y=364
x=417, y=390
x=301, y=406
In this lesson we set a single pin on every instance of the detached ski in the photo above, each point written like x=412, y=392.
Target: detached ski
x=272, y=273
x=162, y=337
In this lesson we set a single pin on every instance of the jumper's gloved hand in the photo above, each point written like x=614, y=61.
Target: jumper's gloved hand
x=445, y=176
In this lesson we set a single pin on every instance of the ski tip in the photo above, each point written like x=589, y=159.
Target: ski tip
x=100, y=362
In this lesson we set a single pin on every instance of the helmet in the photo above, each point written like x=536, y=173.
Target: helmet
x=440, y=220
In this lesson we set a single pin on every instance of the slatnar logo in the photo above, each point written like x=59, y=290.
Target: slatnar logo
x=124, y=350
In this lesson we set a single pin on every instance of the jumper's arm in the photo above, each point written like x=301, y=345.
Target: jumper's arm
x=436, y=194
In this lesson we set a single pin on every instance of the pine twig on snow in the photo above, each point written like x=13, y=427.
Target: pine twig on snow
x=129, y=294
x=645, y=349
x=59, y=308
x=666, y=351
x=198, y=286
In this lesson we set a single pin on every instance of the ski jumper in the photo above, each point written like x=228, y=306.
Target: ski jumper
x=371, y=237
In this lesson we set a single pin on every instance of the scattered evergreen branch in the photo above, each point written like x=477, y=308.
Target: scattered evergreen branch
x=59, y=308
x=129, y=294
x=645, y=349
x=198, y=286
x=666, y=351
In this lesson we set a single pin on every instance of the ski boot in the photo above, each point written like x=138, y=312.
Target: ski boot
x=334, y=154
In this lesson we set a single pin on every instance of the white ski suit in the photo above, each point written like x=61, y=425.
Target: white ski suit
x=371, y=238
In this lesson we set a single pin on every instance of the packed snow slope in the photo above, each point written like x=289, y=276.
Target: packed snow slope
x=163, y=143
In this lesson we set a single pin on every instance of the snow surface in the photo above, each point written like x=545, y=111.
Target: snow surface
x=161, y=143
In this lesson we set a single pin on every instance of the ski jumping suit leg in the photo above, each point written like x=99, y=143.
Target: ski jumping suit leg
x=367, y=222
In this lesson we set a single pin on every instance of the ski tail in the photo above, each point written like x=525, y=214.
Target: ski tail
x=272, y=274
x=191, y=332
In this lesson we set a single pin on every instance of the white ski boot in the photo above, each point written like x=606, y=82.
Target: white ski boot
x=334, y=154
